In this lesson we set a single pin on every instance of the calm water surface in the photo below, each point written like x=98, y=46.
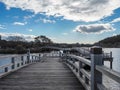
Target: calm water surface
x=109, y=83
x=116, y=58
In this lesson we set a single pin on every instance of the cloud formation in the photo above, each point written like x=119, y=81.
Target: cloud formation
x=2, y=27
x=65, y=34
x=94, y=28
x=28, y=17
x=76, y=10
x=48, y=21
x=30, y=30
x=27, y=37
x=20, y=23
x=45, y=20
x=116, y=20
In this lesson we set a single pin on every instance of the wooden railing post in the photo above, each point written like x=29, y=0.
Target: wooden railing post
x=111, y=64
x=13, y=63
x=32, y=58
x=39, y=57
x=35, y=58
x=6, y=69
x=111, y=60
x=22, y=60
x=96, y=59
x=80, y=67
x=28, y=56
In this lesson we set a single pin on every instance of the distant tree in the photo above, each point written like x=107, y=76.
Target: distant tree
x=0, y=37
x=42, y=39
x=16, y=38
x=3, y=43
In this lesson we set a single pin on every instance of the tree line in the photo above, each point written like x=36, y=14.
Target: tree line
x=18, y=44
x=110, y=42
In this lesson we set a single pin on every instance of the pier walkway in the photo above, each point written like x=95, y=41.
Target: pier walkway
x=50, y=74
x=57, y=70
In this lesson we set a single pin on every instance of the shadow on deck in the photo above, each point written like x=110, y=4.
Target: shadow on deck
x=48, y=75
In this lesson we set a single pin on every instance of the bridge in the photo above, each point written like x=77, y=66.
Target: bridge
x=57, y=71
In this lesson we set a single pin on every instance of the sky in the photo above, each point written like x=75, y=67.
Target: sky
x=63, y=21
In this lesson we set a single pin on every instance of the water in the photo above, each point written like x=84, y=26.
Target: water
x=116, y=58
x=108, y=82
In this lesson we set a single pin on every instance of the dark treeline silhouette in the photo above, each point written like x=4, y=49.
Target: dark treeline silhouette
x=113, y=41
x=18, y=45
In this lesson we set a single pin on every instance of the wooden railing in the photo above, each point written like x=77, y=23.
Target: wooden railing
x=86, y=53
x=17, y=62
x=75, y=63
x=53, y=54
x=90, y=72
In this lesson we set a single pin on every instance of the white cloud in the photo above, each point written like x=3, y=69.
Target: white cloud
x=116, y=20
x=30, y=30
x=76, y=10
x=27, y=37
x=45, y=20
x=29, y=16
x=2, y=27
x=48, y=21
x=65, y=34
x=94, y=28
x=114, y=34
x=20, y=23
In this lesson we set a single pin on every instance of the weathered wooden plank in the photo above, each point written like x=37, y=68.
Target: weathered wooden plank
x=48, y=75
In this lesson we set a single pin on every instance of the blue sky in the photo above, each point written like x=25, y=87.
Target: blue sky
x=64, y=21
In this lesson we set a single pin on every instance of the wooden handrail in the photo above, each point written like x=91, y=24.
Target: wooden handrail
x=87, y=74
x=86, y=61
x=96, y=67
x=6, y=65
x=16, y=63
x=109, y=72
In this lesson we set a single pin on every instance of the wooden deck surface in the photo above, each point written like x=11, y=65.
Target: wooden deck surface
x=48, y=75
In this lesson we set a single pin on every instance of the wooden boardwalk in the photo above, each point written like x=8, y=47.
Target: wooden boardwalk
x=48, y=75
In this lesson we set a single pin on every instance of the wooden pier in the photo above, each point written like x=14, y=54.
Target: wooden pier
x=57, y=71
x=50, y=74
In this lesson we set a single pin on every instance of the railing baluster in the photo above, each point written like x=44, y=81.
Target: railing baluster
x=18, y=65
x=96, y=59
x=80, y=67
x=86, y=80
x=39, y=57
x=6, y=69
x=22, y=61
x=13, y=63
